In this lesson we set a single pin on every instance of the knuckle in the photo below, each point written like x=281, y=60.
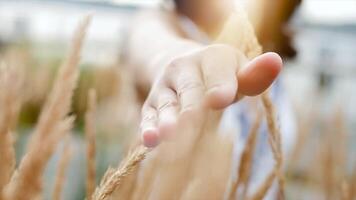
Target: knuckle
x=152, y=98
x=173, y=69
x=167, y=104
x=176, y=63
x=144, y=110
x=148, y=116
x=148, y=105
x=220, y=50
x=188, y=85
x=188, y=108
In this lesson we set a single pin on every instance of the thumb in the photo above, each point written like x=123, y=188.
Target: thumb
x=259, y=74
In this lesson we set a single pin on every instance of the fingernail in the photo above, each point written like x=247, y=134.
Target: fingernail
x=150, y=137
x=220, y=96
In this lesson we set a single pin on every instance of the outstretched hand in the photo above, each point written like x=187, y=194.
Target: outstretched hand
x=214, y=76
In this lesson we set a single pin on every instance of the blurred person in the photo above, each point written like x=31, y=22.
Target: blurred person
x=174, y=62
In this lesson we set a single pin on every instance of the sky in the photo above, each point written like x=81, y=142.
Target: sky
x=329, y=11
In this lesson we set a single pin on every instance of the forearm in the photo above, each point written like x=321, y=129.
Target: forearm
x=154, y=41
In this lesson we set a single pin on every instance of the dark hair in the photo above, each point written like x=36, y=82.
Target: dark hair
x=178, y=3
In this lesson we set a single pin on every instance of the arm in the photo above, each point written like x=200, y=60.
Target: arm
x=155, y=39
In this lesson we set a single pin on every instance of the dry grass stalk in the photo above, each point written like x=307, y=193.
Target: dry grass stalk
x=328, y=170
x=305, y=125
x=274, y=140
x=53, y=125
x=116, y=179
x=27, y=183
x=334, y=157
x=62, y=167
x=352, y=185
x=59, y=101
x=109, y=173
x=340, y=140
x=247, y=42
x=125, y=191
x=239, y=32
x=263, y=189
x=323, y=170
x=10, y=83
x=345, y=190
x=244, y=170
x=90, y=140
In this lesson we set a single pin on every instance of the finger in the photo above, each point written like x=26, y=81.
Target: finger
x=259, y=74
x=219, y=74
x=188, y=86
x=149, y=129
x=167, y=107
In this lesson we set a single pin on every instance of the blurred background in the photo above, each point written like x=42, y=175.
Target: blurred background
x=317, y=39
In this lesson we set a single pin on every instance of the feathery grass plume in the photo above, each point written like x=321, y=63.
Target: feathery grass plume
x=352, y=185
x=263, y=189
x=116, y=179
x=328, y=167
x=27, y=182
x=59, y=101
x=333, y=155
x=244, y=170
x=125, y=191
x=345, y=190
x=305, y=125
x=62, y=167
x=53, y=125
x=340, y=139
x=10, y=84
x=90, y=140
x=109, y=172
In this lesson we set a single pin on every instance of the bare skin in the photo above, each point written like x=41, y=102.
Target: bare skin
x=183, y=74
